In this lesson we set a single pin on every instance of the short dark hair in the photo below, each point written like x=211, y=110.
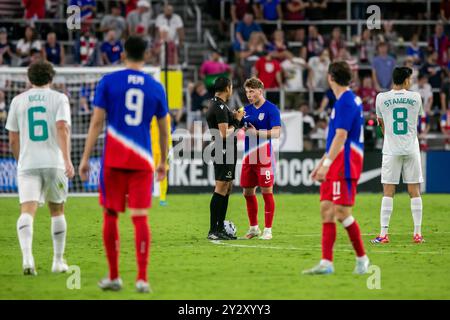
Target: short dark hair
x=221, y=84
x=340, y=72
x=41, y=73
x=400, y=74
x=135, y=48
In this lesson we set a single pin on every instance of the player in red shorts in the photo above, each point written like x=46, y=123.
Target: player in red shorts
x=128, y=100
x=340, y=169
x=262, y=122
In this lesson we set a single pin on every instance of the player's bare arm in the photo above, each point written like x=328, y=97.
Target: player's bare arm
x=14, y=143
x=336, y=147
x=95, y=128
x=161, y=170
x=63, y=136
x=267, y=134
x=381, y=124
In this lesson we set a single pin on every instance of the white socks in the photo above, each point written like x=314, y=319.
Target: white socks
x=59, y=230
x=25, y=234
x=416, y=210
x=387, y=205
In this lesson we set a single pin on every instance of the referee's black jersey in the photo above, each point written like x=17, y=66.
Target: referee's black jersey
x=218, y=112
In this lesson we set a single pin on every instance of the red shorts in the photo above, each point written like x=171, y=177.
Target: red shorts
x=254, y=175
x=117, y=184
x=340, y=192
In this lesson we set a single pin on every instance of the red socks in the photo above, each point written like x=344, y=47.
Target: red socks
x=355, y=236
x=328, y=240
x=252, y=209
x=111, y=242
x=269, y=209
x=142, y=241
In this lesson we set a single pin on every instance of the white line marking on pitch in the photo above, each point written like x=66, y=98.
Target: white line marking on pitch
x=367, y=234
x=218, y=242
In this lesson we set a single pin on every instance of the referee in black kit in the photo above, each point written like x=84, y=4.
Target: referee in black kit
x=223, y=123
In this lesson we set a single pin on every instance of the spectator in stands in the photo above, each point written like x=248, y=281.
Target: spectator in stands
x=268, y=10
x=409, y=62
x=268, y=70
x=34, y=9
x=439, y=43
x=159, y=48
x=87, y=94
x=425, y=90
x=433, y=70
x=86, y=49
x=389, y=36
x=88, y=9
x=130, y=5
x=138, y=20
x=111, y=49
x=315, y=9
x=26, y=44
x=365, y=46
x=239, y=8
x=243, y=31
x=368, y=94
x=293, y=71
x=445, y=96
x=319, y=135
x=173, y=23
x=414, y=50
x=279, y=46
x=445, y=128
x=114, y=21
x=382, y=67
x=344, y=55
x=53, y=51
x=199, y=101
x=295, y=10
x=336, y=42
x=255, y=49
x=6, y=48
x=213, y=68
x=319, y=69
x=314, y=42
x=327, y=103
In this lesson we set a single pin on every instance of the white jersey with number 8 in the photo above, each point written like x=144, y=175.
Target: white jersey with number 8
x=400, y=110
x=34, y=114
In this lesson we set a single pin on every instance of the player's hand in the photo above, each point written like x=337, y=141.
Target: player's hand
x=313, y=174
x=239, y=114
x=70, y=171
x=251, y=130
x=322, y=173
x=83, y=170
x=161, y=171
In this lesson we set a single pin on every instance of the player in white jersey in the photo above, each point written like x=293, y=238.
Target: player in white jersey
x=39, y=135
x=398, y=111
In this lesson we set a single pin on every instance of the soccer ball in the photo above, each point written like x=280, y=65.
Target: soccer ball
x=230, y=228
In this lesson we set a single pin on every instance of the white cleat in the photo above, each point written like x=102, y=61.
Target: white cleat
x=59, y=266
x=320, y=269
x=267, y=235
x=28, y=267
x=112, y=285
x=252, y=233
x=143, y=287
x=362, y=266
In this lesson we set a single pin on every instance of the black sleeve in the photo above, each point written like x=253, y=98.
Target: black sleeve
x=238, y=124
x=221, y=114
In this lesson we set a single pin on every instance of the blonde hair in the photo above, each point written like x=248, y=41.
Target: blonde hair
x=253, y=83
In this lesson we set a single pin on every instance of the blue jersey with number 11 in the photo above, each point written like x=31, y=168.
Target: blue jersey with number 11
x=130, y=98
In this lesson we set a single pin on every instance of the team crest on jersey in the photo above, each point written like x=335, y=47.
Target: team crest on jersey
x=261, y=117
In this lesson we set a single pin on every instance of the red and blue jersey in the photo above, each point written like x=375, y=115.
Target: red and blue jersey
x=259, y=150
x=130, y=98
x=347, y=114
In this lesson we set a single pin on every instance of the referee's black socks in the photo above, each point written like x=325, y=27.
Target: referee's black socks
x=223, y=212
x=216, y=207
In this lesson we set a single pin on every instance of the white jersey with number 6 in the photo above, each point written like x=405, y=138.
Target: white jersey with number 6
x=34, y=114
x=400, y=110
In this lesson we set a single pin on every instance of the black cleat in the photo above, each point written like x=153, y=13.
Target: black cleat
x=223, y=235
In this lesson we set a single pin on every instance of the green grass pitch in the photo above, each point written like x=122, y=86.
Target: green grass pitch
x=184, y=265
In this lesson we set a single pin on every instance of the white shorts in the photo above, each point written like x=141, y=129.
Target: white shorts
x=43, y=185
x=409, y=166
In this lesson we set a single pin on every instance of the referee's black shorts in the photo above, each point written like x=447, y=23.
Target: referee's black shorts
x=224, y=171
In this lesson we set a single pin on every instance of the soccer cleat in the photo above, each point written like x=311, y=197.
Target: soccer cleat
x=59, y=266
x=212, y=236
x=418, y=238
x=29, y=271
x=380, y=239
x=111, y=285
x=163, y=203
x=143, y=287
x=362, y=266
x=223, y=235
x=267, y=235
x=320, y=269
x=252, y=233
